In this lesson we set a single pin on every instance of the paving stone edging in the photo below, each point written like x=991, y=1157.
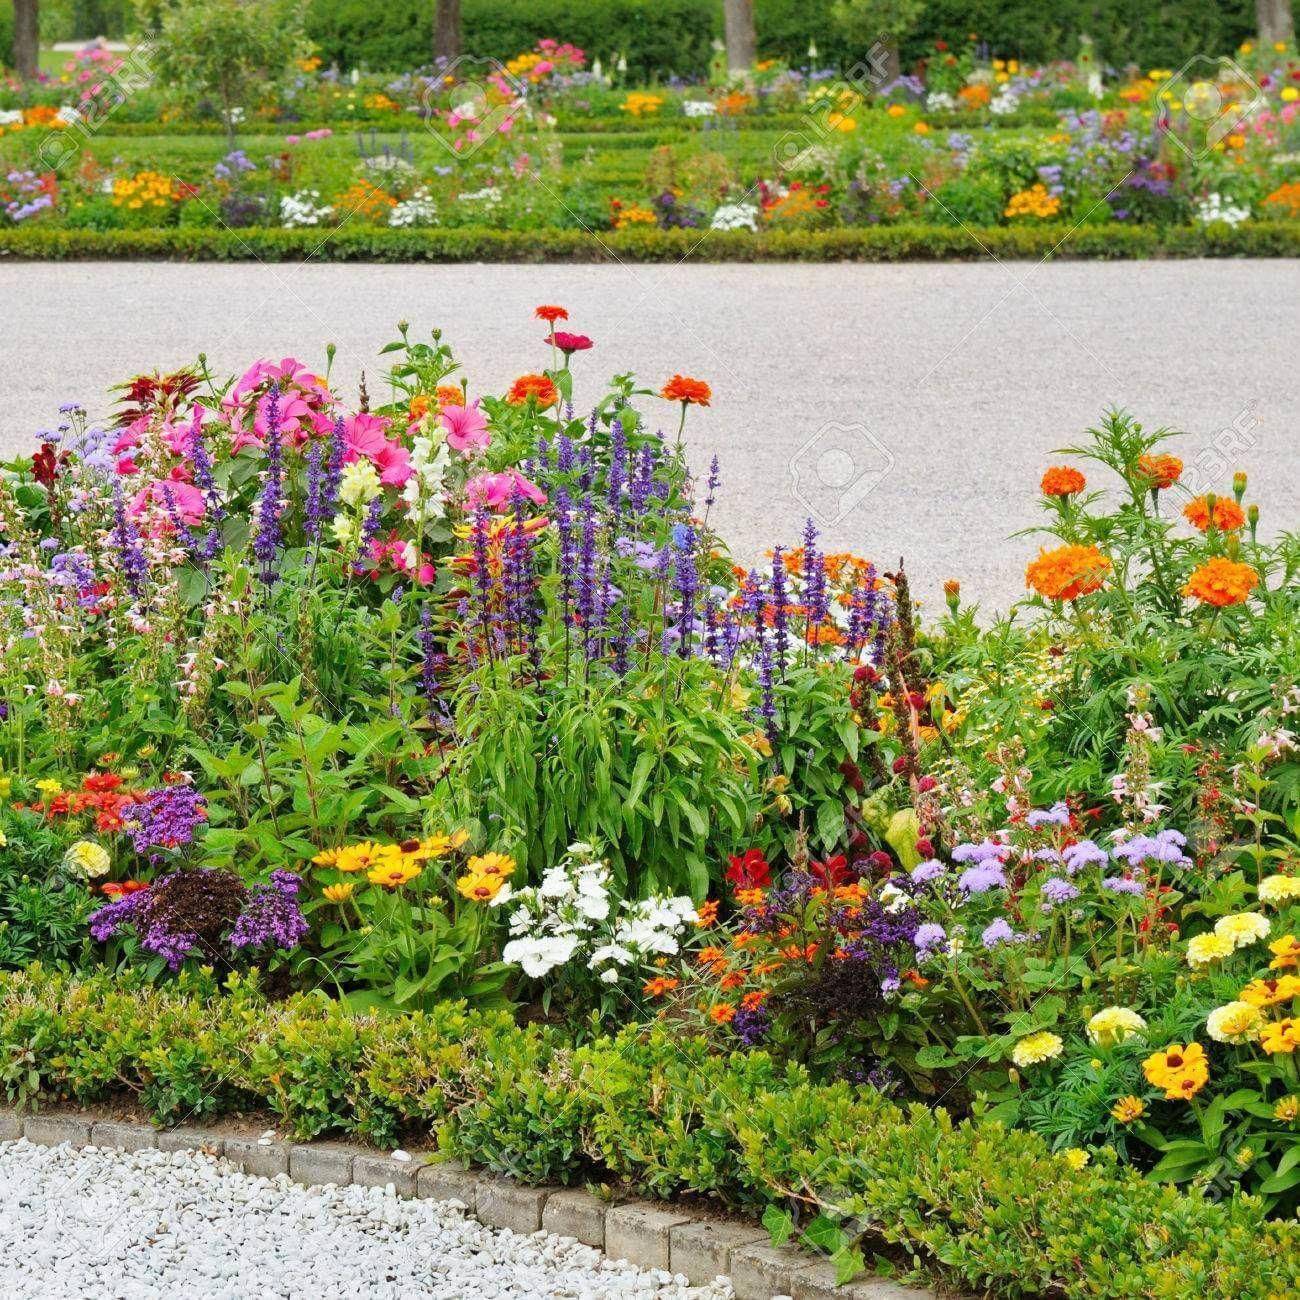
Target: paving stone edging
x=645, y=1233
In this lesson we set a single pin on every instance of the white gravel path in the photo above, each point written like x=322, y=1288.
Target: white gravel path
x=106, y=1225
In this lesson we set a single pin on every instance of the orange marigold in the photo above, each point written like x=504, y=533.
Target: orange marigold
x=1221, y=582
x=680, y=388
x=1068, y=572
x=535, y=386
x=450, y=395
x=1228, y=515
x=1062, y=481
x=1160, y=471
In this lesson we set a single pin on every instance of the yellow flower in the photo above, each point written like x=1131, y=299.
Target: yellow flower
x=1279, y=889
x=359, y=484
x=393, y=874
x=1036, y=1048
x=433, y=846
x=1243, y=928
x=1076, y=1158
x=1290, y=94
x=479, y=888
x=49, y=786
x=1128, y=1109
x=339, y=893
x=1286, y=952
x=87, y=859
x=1271, y=992
x=366, y=855
x=1181, y=1071
x=1205, y=948
x=895, y=110
x=758, y=742
x=498, y=865
x=1234, y=1022
x=1287, y=1109
x=1280, y=1037
x=1113, y=1025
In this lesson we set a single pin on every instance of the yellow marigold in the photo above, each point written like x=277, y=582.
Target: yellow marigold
x=1271, y=992
x=1279, y=889
x=1286, y=952
x=1036, y=1048
x=1067, y=572
x=339, y=893
x=1205, y=948
x=1243, y=928
x=1113, y=1025
x=1062, y=481
x=1280, y=1037
x=1128, y=1109
x=1033, y=202
x=1181, y=1071
x=1220, y=582
x=1228, y=515
x=1076, y=1158
x=1234, y=1022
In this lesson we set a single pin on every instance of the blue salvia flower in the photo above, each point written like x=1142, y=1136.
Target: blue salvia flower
x=130, y=552
x=268, y=538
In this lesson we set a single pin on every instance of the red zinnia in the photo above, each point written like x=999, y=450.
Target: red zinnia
x=569, y=343
x=551, y=314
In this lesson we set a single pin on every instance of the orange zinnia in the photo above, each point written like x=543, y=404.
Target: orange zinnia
x=551, y=314
x=1160, y=471
x=1067, y=572
x=1228, y=515
x=723, y=1014
x=535, y=386
x=706, y=914
x=658, y=986
x=1062, y=481
x=680, y=388
x=1221, y=582
x=450, y=395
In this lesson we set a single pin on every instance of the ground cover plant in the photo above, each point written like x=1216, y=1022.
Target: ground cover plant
x=545, y=142
x=437, y=707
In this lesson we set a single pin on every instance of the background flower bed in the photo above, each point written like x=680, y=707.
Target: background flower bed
x=990, y=1207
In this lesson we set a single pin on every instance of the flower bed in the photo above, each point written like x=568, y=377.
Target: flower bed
x=436, y=698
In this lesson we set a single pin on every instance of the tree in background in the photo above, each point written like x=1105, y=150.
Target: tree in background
x=742, y=42
x=1273, y=18
x=228, y=50
x=864, y=22
x=446, y=29
x=27, y=40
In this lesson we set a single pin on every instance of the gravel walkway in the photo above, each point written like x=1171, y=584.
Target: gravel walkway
x=911, y=407
x=106, y=1225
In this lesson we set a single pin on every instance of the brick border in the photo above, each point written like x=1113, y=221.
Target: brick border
x=645, y=1233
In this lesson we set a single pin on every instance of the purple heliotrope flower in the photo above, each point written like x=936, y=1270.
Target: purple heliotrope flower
x=272, y=917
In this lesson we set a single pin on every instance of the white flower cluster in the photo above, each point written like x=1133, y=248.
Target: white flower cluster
x=418, y=210
x=11, y=116
x=1004, y=102
x=940, y=101
x=735, y=216
x=304, y=208
x=489, y=195
x=1214, y=207
x=699, y=107
x=423, y=492
x=571, y=916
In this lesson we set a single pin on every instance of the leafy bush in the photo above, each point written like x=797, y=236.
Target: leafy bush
x=985, y=1206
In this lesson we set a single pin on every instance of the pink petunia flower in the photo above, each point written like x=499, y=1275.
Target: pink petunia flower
x=466, y=428
x=496, y=490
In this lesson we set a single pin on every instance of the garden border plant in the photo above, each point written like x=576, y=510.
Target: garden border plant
x=901, y=243
x=991, y=1207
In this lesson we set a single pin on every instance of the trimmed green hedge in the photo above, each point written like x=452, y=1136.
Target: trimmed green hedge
x=869, y=244
x=992, y=1207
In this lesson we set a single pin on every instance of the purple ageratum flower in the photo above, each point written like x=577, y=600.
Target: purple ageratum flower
x=1123, y=885
x=930, y=937
x=272, y=917
x=1057, y=815
x=1056, y=891
x=999, y=932
x=926, y=871
x=1165, y=846
x=987, y=851
x=1084, y=854
x=981, y=878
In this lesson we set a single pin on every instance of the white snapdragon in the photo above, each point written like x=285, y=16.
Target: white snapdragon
x=423, y=493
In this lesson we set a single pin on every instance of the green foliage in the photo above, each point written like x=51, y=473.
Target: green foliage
x=984, y=1206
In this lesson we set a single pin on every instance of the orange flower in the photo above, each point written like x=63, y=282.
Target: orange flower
x=681, y=389
x=731, y=980
x=750, y=897
x=450, y=395
x=1062, y=481
x=1221, y=582
x=533, y=386
x=1228, y=515
x=767, y=968
x=1160, y=471
x=722, y=1014
x=551, y=314
x=711, y=957
x=752, y=1001
x=1068, y=572
x=419, y=407
x=658, y=986
x=706, y=914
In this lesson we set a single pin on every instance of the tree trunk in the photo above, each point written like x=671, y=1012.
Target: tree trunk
x=1273, y=18
x=742, y=42
x=27, y=40
x=446, y=29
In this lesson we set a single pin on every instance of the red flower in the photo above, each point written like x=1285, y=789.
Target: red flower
x=569, y=343
x=834, y=871
x=681, y=388
x=551, y=314
x=750, y=871
x=101, y=782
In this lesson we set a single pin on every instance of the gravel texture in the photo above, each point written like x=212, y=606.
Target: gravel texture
x=94, y=1224
x=911, y=407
